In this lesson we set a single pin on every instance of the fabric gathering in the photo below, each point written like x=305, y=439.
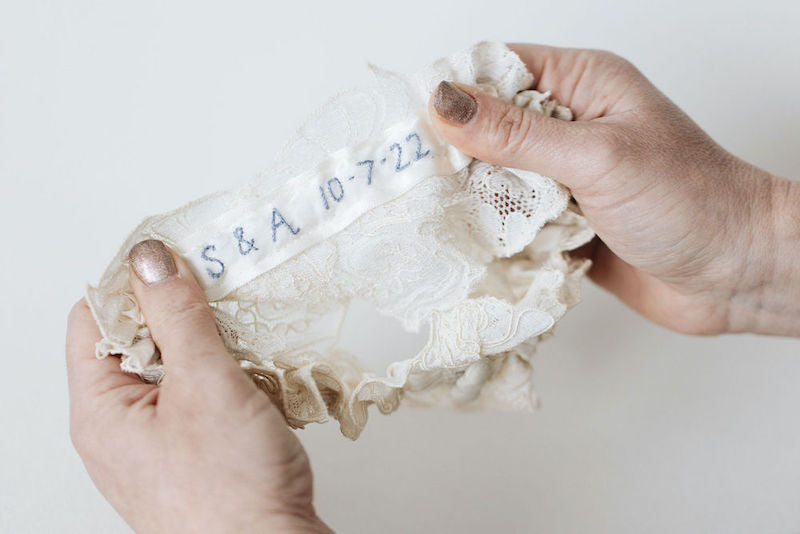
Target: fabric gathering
x=366, y=202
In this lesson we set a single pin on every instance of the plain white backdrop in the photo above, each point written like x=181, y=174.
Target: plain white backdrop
x=111, y=111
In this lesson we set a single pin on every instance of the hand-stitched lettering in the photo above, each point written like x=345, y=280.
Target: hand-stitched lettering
x=205, y=256
x=397, y=154
x=369, y=164
x=335, y=185
x=238, y=233
x=278, y=221
x=324, y=200
x=419, y=155
x=398, y=167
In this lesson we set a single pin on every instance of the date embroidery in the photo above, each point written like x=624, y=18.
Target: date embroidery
x=335, y=188
x=352, y=181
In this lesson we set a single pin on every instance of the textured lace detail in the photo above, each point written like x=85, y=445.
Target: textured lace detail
x=477, y=256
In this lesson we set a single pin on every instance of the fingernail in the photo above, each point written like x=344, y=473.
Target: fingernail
x=152, y=262
x=453, y=104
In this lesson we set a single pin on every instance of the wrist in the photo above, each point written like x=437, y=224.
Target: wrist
x=295, y=524
x=767, y=297
x=257, y=522
x=288, y=520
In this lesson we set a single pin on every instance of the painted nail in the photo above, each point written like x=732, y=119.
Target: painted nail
x=152, y=262
x=453, y=104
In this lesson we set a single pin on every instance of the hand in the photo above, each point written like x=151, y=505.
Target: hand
x=205, y=451
x=689, y=236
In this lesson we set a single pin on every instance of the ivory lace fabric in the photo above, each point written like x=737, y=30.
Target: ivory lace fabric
x=474, y=251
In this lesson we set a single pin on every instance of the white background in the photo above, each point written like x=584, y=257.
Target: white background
x=110, y=111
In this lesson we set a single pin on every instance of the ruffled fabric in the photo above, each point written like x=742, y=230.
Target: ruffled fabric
x=477, y=257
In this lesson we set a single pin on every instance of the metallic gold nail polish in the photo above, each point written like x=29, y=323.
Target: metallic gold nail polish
x=453, y=104
x=152, y=262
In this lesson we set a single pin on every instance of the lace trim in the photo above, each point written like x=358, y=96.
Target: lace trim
x=478, y=255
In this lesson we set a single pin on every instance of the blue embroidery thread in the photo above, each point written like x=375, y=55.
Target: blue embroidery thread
x=419, y=155
x=324, y=200
x=370, y=163
x=335, y=189
x=398, y=167
x=206, y=257
x=281, y=222
x=341, y=189
x=238, y=233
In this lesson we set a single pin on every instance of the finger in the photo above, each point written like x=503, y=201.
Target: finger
x=501, y=133
x=176, y=310
x=558, y=70
x=547, y=64
x=90, y=378
x=592, y=83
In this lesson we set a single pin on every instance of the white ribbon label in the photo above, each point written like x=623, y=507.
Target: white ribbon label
x=256, y=236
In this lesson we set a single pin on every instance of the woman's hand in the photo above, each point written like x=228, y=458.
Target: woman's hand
x=205, y=451
x=690, y=236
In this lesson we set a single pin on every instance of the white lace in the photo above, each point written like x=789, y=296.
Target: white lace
x=477, y=255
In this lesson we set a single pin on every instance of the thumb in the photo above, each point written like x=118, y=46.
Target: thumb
x=501, y=133
x=176, y=310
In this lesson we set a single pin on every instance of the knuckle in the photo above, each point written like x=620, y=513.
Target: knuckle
x=609, y=63
x=510, y=130
x=612, y=146
x=187, y=314
x=610, y=58
x=181, y=300
x=180, y=319
x=625, y=68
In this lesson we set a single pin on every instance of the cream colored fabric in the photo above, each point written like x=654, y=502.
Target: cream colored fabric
x=475, y=252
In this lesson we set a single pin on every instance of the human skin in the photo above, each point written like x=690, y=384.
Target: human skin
x=205, y=451
x=688, y=235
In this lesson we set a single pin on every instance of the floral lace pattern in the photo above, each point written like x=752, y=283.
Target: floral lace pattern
x=478, y=257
